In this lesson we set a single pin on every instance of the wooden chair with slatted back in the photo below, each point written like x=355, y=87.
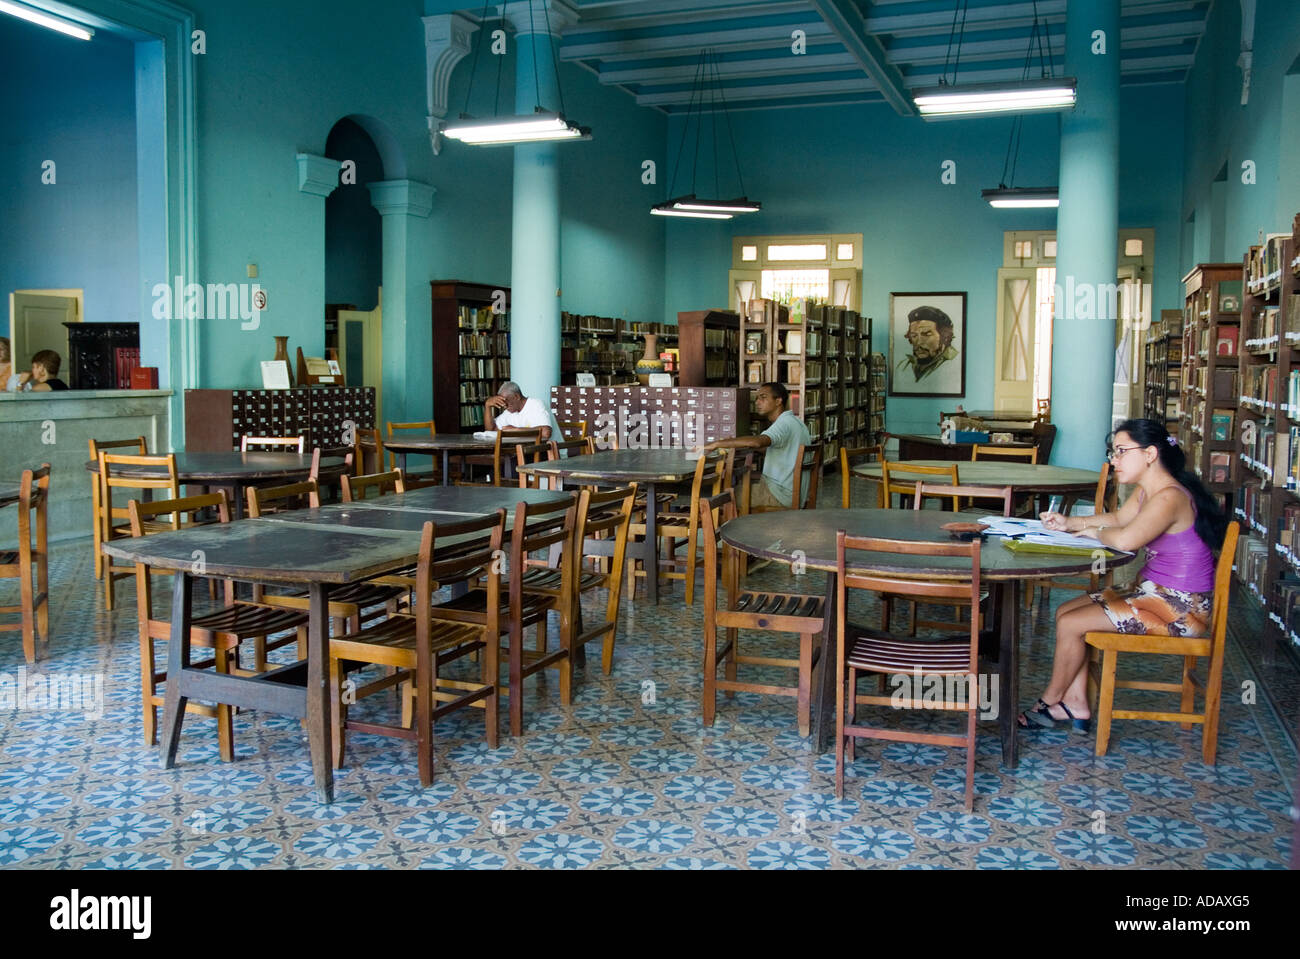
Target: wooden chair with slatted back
x=271, y=444
x=602, y=515
x=1001, y=496
x=96, y=495
x=866, y=454
x=346, y=603
x=750, y=609
x=116, y=519
x=985, y=452
x=901, y=478
x=1190, y=648
x=530, y=454
x=808, y=460
x=415, y=646
x=29, y=563
x=368, y=455
x=422, y=478
x=1103, y=501
x=536, y=527
x=530, y=436
x=572, y=429
x=221, y=630
x=358, y=487
x=861, y=650
x=680, y=529
x=578, y=447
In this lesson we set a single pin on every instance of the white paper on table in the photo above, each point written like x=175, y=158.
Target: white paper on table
x=1033, y=531
x=485, y=435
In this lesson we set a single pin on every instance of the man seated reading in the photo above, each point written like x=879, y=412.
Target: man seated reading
x=781, y=440
x=511, y=410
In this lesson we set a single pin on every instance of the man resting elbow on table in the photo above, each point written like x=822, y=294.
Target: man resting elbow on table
x=781, y=440
x=511, y=410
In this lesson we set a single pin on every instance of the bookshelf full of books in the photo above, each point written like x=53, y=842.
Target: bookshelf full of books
x=1208, y=383
x=709, y=341
x=471, y=351
x=608, y=347
x=1267, y=433
x=822, y=354
x=1164, y=364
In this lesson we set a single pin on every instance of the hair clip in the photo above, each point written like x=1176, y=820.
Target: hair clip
x=1172, y=441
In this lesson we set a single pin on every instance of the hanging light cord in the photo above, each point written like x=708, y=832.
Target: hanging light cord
x=473, y=69
x=695, y=86
x=555, y=63
x=1040, y=41
x=731, y=134
x=959, y=9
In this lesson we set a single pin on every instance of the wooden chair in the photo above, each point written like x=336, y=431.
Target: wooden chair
x=861, y=650
x=1189, y=648
x=572, y=429
x=262, y=444
x=525, y=436
x=346, y=603
x=1103, y=502
x=527, y=454
x=356, y=487
x=751, y=609
x=415, y=646
x=899, y=478
x=602, y=516
x=421, y=479
x=96, y=495
x=868, y=454
x=986, y=452
x=110, y=529
x=578, y=447
x=368, y=452
x=674, y=526
x=221, y=631
x=920, y=492
x=31, y=557
x=536, y=527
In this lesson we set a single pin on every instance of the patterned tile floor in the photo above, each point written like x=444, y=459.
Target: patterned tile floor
x=619, y=779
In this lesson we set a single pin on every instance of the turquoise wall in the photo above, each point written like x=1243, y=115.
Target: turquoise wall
x=72, y=102
x=1220, y=131
x=353, y=238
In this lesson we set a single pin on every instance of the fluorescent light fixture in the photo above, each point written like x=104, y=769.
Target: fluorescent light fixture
x=1013, y=97
x=543, y=125
x=1022, y=198
x=691, y=205
x=47, y=20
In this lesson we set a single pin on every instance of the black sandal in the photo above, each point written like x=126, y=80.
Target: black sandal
x=1038, y=717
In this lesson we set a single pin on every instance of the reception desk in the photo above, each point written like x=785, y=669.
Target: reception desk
x=56, y=428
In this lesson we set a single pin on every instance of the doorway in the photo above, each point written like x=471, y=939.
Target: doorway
x=36, y=322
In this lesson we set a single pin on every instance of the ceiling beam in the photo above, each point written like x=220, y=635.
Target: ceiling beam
x=734, y=38
x=684, y=72
x=668, y=14
x=843, y=17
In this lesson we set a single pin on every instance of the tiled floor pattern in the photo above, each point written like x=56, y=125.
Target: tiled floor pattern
x=625, y=777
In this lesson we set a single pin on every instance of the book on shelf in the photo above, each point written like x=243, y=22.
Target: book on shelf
x=1220, y=467
x=1221, y=426
x=793, y=342
x=1225, y=383
x=1226, y=341
x=754, y=373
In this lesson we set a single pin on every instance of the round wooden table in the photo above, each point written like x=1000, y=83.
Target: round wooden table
x=9, y=494
x=445, y=443
x=811, y=535
x=234, y=470
x=1021, y=477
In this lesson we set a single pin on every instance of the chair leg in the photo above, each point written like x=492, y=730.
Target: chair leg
x=489, y=673
x=225, y=713
x=108, y=585
x=690, y=574
x=97, y=528
x=839, y=738
x=853, y=711
x=43, y=587
x=541, y=635
x=424, y=726
x=149, y=689
x=709, y=697
x=516, y=669
x=338, y=711
x=259, y=653
x=1106, y=699
x=1188, y=702
x=970, y=760
x=733, y=640
x=805, y=682
x=1210, y=730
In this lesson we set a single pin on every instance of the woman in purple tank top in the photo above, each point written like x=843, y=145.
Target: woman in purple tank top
x=1179, y=523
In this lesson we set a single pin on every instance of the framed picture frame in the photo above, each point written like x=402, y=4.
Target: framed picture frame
x=927, y=344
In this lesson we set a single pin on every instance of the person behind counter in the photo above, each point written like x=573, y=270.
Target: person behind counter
x=6, y=360
x=44, y=375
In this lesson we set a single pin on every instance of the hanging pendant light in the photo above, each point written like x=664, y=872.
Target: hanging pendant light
x=949, y=99
x=1022, y=198
x=708, y=83
x=544, y=125
x=48, y=20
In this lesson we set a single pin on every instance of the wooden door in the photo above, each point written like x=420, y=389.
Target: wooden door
x=36, y=321
x=1013, y=369
x=361, y=350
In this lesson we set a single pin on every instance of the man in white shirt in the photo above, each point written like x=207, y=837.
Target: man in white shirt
x=510, y=409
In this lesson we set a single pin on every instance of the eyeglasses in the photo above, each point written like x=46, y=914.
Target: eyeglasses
x=1119, y=451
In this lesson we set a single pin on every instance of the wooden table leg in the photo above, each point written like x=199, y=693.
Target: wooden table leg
x=823, y=706
x=446, y=467
x=1009, y=669
x=651, y=554
x=178, y=658
x=319, y=733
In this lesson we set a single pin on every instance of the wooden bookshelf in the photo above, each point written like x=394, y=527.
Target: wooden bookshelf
x=1163, y=359
x=709, y=344
x=823, y=356
x=471, y=351
x=607, y=347
x=1210, y=341
x=1267, y=439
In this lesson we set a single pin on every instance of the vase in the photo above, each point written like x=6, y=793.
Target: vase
x=650, y=362
x=282, y=353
